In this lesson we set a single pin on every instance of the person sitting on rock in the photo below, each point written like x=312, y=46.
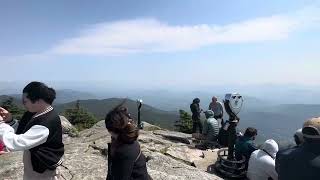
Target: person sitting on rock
x=245, y=145
x=302, y=162
x=210, y=129
x=262, y=162
x=38, y=133
x=125, y=159
x=298, y=137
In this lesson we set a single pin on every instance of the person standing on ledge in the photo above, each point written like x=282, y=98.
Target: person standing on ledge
x=125, y=159
x=196, y=110
x=217, y=109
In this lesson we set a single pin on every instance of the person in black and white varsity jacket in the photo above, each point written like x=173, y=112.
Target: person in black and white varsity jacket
x=38, y=133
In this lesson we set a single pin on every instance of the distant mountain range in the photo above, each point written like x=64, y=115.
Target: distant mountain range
x=99, y=109
x=271, y=119
x=279, y=122
x=64, y=96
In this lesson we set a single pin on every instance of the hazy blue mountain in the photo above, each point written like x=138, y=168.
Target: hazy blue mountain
x=270, y=118
x=64, y=96
x=68, y=95
x=175, y=98
x=279, y=122
x=173, y=101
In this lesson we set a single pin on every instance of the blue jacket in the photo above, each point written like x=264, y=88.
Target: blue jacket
x=244, y=147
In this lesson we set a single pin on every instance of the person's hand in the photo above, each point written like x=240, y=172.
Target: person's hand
x=5, y=115
x=2, y=152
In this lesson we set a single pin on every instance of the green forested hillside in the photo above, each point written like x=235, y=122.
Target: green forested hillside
x=149, y=114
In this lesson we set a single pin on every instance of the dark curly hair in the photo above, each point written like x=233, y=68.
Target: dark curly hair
x=38, y=90
x=250, y=132
x=120, y=122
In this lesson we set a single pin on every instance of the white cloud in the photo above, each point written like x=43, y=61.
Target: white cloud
x=151, y=35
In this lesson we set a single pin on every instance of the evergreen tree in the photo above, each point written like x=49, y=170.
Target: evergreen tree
x=15, y=110
x=80, y=117
x=184, y=124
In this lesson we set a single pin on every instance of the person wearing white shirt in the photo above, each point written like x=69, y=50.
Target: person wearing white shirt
x=262, y=162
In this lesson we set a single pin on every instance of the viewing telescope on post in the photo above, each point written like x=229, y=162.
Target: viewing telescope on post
x=226, y=164
x=139, y=105
x=232, y=104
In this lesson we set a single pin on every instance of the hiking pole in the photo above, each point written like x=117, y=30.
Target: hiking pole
x=139, y=105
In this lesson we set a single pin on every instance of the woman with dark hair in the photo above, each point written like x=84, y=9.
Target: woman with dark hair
x=125, y=159
x=38, y=134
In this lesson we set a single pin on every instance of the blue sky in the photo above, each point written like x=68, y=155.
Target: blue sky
x=174, y=44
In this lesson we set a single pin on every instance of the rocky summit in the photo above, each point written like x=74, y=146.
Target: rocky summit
x=171, y=155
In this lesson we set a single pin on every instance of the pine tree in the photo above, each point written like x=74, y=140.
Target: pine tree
x=80, y=117
x=184, y=124
x=15, y=110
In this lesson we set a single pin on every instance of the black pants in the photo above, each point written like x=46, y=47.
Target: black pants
x=232, y=137
x=195, y=124
x=223, y=137
x=219, y=117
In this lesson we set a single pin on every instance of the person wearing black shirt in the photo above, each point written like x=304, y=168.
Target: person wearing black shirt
x=125, y=159
x=196, y=110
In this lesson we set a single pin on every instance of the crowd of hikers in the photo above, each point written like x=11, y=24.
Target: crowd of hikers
x=301, y=162
x=39, y=135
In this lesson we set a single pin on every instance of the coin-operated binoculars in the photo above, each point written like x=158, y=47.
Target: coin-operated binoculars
x=232, y=103
x=139, y=105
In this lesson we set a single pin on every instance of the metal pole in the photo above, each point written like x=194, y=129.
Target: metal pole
x=139, y=104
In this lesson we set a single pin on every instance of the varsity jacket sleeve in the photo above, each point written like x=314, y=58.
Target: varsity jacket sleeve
x=35, y=136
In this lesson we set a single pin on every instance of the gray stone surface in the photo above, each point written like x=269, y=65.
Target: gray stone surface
x=11, y=166
x=85, y=157
x=150, y=127
x=67, y=127
x=175, y=136
x=162, y=167
x=185, y=154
